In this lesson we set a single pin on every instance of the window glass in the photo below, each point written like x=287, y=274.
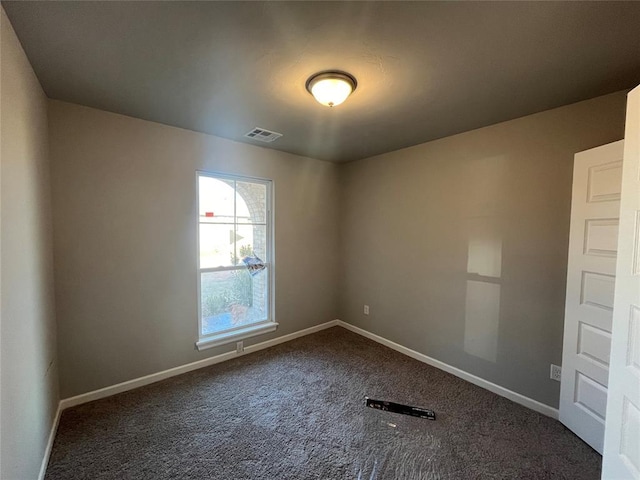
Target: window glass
x=233, y=225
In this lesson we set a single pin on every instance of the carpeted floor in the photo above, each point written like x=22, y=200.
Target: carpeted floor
x=296, y=411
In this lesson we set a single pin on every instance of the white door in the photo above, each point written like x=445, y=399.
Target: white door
x=622, y=440
x=593, y=245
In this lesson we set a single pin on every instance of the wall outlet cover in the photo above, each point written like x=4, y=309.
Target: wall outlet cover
x=556, y=373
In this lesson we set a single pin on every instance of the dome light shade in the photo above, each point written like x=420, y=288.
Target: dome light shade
x=331, y=88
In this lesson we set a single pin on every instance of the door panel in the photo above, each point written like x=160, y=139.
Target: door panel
x=604, y=182
x=593, y=245
x=601, y=237
x=594, y=344
x=621, y=459
x=597, y=290
x=591, y=396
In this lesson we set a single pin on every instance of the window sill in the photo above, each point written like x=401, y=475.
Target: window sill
x=236, y=335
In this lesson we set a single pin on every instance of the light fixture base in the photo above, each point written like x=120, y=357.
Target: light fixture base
x=331, y=87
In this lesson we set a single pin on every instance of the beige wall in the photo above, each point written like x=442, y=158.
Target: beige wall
x=459, y=245
x=125, y=241
x=28, y=375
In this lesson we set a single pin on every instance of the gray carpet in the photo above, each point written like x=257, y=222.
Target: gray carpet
x=296, y=411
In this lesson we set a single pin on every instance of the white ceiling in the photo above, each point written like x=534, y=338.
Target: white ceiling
x=425, y=70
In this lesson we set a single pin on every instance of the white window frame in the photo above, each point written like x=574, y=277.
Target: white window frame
x=244, y=331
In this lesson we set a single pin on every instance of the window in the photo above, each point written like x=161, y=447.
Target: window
x=234, y=233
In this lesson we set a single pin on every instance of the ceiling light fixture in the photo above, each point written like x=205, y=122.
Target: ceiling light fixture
x=331, y=88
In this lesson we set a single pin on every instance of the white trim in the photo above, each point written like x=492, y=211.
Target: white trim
x=52, y=436
x=480, y=382
x=231, y=336
x=172, y=372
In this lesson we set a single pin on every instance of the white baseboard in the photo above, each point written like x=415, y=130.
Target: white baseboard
x=487, y=385
x=47, y=450
x=172, y=372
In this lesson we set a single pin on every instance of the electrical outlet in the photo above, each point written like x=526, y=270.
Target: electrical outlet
x=240, y=347
x=556, y=372
x=366, y=309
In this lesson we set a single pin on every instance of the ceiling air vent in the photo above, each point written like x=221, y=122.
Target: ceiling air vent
x=263, y=135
